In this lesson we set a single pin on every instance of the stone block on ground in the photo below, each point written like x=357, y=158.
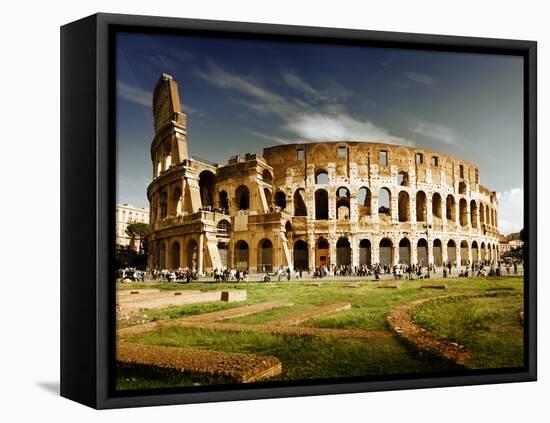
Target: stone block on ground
x=298, y=318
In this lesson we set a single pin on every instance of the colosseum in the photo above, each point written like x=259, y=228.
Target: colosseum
x=302, y=206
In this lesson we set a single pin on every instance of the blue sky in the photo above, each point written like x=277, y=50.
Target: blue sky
x=244, y=95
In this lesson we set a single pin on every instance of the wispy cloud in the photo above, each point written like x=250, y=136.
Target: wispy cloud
x=422, y=79
x=317, y=119
x=144, y=98
x=434, y=131
x=135, y=95
x=510, y=206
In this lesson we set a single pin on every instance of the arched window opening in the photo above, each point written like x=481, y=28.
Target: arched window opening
x=265, y=256
x=301, y=257
x=342, y=203
x=343, y=252
x=365, y=252
x=404, y=251
x=267, y=176
x=386, y=251
x=462, y=188
x=321, y=204
x=403, y=206
x=223, y=229
x=422, y=252
x=163, y=205
x=475, y=252
x=224, y=201
x=242, y=197
x=450, y=208
x=403, y=179
x=464, y=253
x=280, y=200
x=473, y=214
x=267, y=194
x=207, y=184
x=241, y=255
x=364, y=201
x=437, y=253
x=322, y=253
x=384, y=201
x=321, y=177
x=177, y=201
x=421, y=206
x=176, y=255
x=451, y=252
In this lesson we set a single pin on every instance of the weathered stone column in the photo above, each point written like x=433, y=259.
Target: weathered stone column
x=332, y=250
x=375, y=251
x=353, y=208
x=412, y=207
x=444, y=255
x=354, y=244
x=395, y=253
x=200, y=260
x=414, y=250
x=429, y=214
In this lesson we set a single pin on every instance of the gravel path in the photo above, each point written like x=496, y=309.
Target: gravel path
x=298, y=318
x=241, y=367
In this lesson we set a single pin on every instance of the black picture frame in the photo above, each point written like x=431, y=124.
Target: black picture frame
x=88, y=198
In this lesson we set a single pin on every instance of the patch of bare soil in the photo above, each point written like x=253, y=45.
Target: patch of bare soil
x=298, y=318
x=241, y=367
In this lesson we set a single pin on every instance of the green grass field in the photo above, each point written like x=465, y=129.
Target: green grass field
x=488, y=327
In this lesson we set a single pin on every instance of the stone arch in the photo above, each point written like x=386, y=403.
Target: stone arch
x=483, y=252
x=300, y=255
x=421, y=207
x=364, y=201
x=451, y=252
x=265, y=256
x=463, y=253
x=241, y=255
x=192, y=254
x=343, y=252
x=322, y=253
x=279, y=199
x=321, y=204
x=207, y=185
x=475, y=252
x=242, y=197
x=463, y=210
x=223, y=200
x=437, y=206
x=473, y=214
x=342, y=203
x=450, y=208
x=223, y=229
x=386, y=252
x=437, y=252
x=365, y=250
x=403, y=206
x=321, y=177
x=422, y=252
x=175, y=253
x=384, y=201
x=405, y=251
x=481, y=214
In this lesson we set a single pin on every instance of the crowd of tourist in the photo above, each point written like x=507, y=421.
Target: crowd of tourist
x=399, y=271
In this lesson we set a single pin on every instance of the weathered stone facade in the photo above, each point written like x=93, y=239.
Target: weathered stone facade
x=309, y=205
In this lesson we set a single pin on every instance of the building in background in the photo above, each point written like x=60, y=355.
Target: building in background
x=510, y=242
x=126, y=214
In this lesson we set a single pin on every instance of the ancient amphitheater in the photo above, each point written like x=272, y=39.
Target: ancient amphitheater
x=308, y=205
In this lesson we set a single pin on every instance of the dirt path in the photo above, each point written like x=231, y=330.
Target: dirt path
x=241, y=367
x=233, y=313
x=298, y=318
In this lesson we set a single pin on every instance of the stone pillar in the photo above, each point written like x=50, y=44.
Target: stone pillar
x=430, y=252
x=468, y=216
x=332, y=251
x=200, y=259
x=429, y=214
x=354, y=244
x=331, y=203
x=395, y=253
x=412, y=207
x=444, y=256
x=414, y=251
x=469, y=249
x=353, y=208
x=375, y=251
x=394, y=205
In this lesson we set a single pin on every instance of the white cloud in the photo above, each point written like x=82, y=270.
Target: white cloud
x=134, y=94
x=341, y=127
x=144, y=98
x=434, y=131
x=323, y=120
x=510, y=206
x=422, y=79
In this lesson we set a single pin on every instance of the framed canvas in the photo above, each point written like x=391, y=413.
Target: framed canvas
x=258, y=211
